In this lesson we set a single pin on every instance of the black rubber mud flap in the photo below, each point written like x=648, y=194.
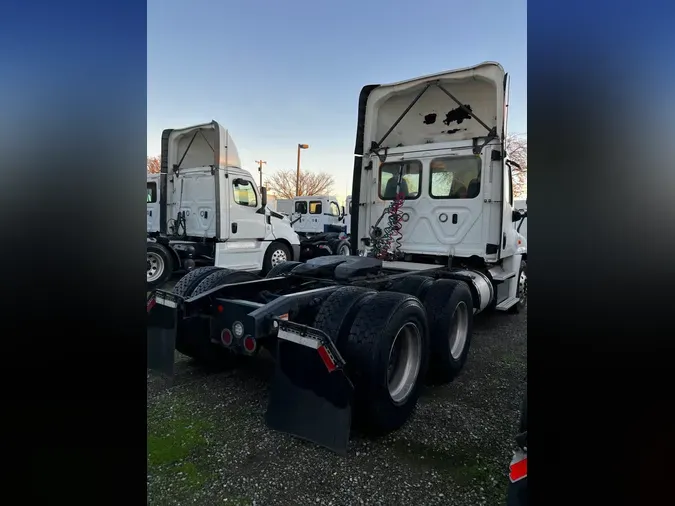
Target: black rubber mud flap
x=161, y=331
x=311, y=397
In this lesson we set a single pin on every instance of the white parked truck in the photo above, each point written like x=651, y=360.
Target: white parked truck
x=204, y=209
x=433, y=222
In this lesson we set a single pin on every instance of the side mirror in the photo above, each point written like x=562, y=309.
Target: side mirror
x=263, y=196
x=342, y=208
x=518, y=215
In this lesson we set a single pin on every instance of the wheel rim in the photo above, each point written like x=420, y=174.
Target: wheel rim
x=404, y=362
x=459, y=330
x=279, y=256
x=344, y=250
x=155, y=265
x=522, y=288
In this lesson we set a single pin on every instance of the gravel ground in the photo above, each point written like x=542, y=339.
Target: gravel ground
x=208, y=443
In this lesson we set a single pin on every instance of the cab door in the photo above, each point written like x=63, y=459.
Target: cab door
x=245, y=247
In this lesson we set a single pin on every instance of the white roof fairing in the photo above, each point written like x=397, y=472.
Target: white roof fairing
x=201, y=146
x=436, y=117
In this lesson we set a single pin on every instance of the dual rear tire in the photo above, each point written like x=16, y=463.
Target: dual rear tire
x=391, y=340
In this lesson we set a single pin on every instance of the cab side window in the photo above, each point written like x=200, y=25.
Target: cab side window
x=152, y=193
x=334, y=209
x=301, y=207
x=315, y=207
x=244, y=193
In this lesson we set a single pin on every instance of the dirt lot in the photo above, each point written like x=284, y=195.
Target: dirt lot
x=208, y=443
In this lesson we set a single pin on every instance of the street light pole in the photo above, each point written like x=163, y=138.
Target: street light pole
x=297, y=173
x=260, y=164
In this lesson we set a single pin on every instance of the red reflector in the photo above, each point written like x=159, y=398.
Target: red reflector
x=518, y=470
x=249, y=344
x=327, y=359
x=220, y=309
x=226, y=337
x=151, y=303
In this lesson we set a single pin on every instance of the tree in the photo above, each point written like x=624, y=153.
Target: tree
x=153, y=165
x=516, y=148
x=282, y=183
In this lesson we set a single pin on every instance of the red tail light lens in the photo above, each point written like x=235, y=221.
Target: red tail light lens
x=249, y=344
x=226, y=337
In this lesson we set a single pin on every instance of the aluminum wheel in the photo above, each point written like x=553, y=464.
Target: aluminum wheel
x=405, y=357
x=155, y=264
x=522, y=287
x=459, y=330
x=279, y=256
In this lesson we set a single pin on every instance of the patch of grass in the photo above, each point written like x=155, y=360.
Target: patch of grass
x=174, y=439
x=237, y=501
x=193, y=477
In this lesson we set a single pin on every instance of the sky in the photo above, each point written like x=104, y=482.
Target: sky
x=281, y=73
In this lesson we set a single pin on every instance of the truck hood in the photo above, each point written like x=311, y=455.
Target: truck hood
x=434, y=117
x=208, y=144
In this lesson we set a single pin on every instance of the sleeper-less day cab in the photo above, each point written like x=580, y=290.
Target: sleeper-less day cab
x=434, y=241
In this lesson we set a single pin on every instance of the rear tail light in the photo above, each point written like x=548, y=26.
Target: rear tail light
x=249, y=344
x=226, y=337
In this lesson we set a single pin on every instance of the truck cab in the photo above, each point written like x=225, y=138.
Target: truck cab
x=211, y=211
x=432, y=180
x=316, y=214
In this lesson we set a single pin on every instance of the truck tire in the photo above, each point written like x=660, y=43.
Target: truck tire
x=276, y=253
x=414, y=285
x=340, y=247
x=198, y=346
x=521, y=291
x=449, y=308
x=190, y=281
x=386, y=351
x=336, y=315
x=222, y=277
x=160, y=265
x=281, y=269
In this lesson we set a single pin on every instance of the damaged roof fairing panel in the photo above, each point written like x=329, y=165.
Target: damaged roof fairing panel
x=201, y=146
x=435, y=117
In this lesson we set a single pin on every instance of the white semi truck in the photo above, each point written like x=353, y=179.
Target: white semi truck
x=204, y=209
x=433, y=223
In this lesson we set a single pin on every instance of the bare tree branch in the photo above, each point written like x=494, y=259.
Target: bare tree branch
x=516, y=148
x=282, y=183
x=153, y=165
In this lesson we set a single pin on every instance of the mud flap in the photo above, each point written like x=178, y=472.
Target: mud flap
x=161, y=332
x=311, y=396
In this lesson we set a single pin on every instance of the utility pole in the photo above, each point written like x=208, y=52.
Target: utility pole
x=297, y=172
x=260, y=164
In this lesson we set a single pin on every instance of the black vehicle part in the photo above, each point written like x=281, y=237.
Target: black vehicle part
x=337, y=313
x=389, y=329
x=339, y=247
x=194, y=336
x=159, y=256
x=190, y=281
x=311, y=397
x=275, y=249
x=414, y=285
x=222, y=277
x=449, y=307
x=521, y=291
x=341, y=268
x=281, y=269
